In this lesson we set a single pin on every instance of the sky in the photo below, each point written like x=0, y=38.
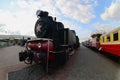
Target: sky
x=84, y=16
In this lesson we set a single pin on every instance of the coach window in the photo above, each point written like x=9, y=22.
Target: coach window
x=108, y=38
x=115, y=36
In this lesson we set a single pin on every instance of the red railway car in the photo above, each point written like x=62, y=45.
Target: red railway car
x=110, y=42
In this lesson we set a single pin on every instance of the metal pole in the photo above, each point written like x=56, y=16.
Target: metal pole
x=47, y=61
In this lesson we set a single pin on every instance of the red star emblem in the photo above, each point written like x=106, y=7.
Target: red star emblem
x=38, y=27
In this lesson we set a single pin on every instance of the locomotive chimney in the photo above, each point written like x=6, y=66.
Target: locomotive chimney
x=54, y=18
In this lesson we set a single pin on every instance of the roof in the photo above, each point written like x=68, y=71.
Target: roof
x=114, y=30
x=96, y=35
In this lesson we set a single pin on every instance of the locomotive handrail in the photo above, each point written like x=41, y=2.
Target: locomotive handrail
x=47, y=62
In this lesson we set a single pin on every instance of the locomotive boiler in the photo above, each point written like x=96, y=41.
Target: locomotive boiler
x=52, y=45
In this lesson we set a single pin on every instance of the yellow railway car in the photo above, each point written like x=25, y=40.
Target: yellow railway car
x=110, y=42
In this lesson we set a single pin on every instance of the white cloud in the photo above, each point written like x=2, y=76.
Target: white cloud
x=112, y=12
x=105, y=28
x=89, y=1
x=87, y=32
x=82, y=39
x=23, y=19
x=99, y=28
x=78, y=10
x=32, y=5
x=84, y=34
x=74, y=9
x=71, y=25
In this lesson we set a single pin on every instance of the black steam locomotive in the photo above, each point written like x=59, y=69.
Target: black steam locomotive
x=52, y=45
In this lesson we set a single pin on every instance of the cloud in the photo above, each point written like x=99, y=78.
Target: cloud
x=112, y=12
x=85, y=34
x=76, y=10
x=99, y=28
x=22, y=19
x=32, y=5
x=82, y=39
x=103, y=28
x=71, y=25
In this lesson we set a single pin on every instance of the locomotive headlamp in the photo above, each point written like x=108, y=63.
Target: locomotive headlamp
x=39, y=45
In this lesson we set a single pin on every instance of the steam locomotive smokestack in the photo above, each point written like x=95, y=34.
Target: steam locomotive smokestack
x=40, y=13
x=54, y=18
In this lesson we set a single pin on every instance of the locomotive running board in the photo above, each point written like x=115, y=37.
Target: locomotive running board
x=37, y=39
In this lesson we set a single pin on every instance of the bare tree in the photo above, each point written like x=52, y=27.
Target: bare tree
x=2, y=27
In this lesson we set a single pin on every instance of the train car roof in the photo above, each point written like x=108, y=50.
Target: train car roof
x=114, y=30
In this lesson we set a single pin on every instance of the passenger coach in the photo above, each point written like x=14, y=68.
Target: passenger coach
x=110, y=42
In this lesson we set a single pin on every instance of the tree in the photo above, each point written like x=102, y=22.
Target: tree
x=2, y=27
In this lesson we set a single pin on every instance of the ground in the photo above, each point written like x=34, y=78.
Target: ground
x=9, y=60
x=85, y=64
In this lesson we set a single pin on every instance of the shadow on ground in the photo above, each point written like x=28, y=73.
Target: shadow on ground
x=34, y=72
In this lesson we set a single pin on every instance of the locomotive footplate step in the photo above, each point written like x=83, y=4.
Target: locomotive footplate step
x=34, y=72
